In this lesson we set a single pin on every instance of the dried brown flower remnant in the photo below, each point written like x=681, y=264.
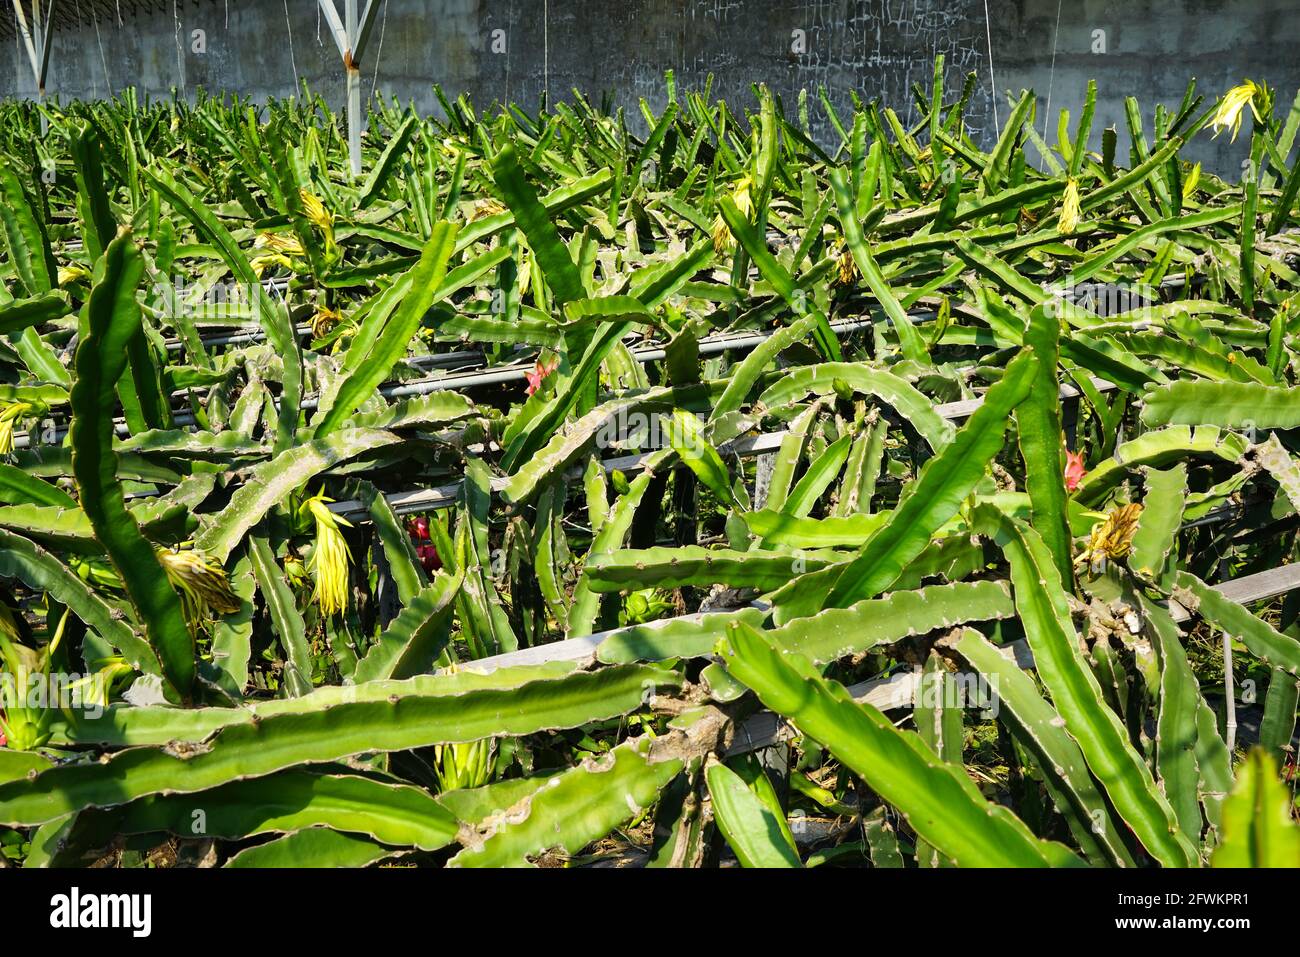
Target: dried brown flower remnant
x=1113, y=537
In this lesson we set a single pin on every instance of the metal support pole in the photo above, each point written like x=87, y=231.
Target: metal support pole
x=354, y=120
x=40, y=53
x=354, y=93
x=351, y=32
x=36, y=39
x=354, y=89
x=40, y=81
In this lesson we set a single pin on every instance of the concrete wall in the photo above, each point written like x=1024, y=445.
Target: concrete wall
x=622, y=47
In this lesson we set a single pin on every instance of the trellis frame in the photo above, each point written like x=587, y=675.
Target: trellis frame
x=36, y=40
x=351, y=34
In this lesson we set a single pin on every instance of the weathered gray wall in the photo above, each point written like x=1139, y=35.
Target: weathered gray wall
x=875, y=47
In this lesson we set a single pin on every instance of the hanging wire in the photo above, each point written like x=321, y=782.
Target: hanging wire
x=993, y=86
x=510, y=26
x=292, y=61
x=18, y=46
x=108, y=81
x=379, y=53
x=1047, y=110
x=94, y=90
x=180, y=55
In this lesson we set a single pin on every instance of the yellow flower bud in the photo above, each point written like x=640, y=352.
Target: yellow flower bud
x=69, y=274
x=722, y=238
x=9, y=415
x=316, y=211
x=330, y=559
x=1070, y=207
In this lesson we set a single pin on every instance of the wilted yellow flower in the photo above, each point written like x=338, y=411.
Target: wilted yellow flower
x=485, y=208
x=95, y=689
x=722, y=238
x=331, y=558
x=69, y=274
x=281, y=246
x=279, y=243
x=1228, y=113
x=846, y=269
x=525, y=277
x=260, y=263
x=324, y=320
x=9, y=415
x=1113, y=537
x=1070, y=207
x=201, y=583
x=316, y=211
